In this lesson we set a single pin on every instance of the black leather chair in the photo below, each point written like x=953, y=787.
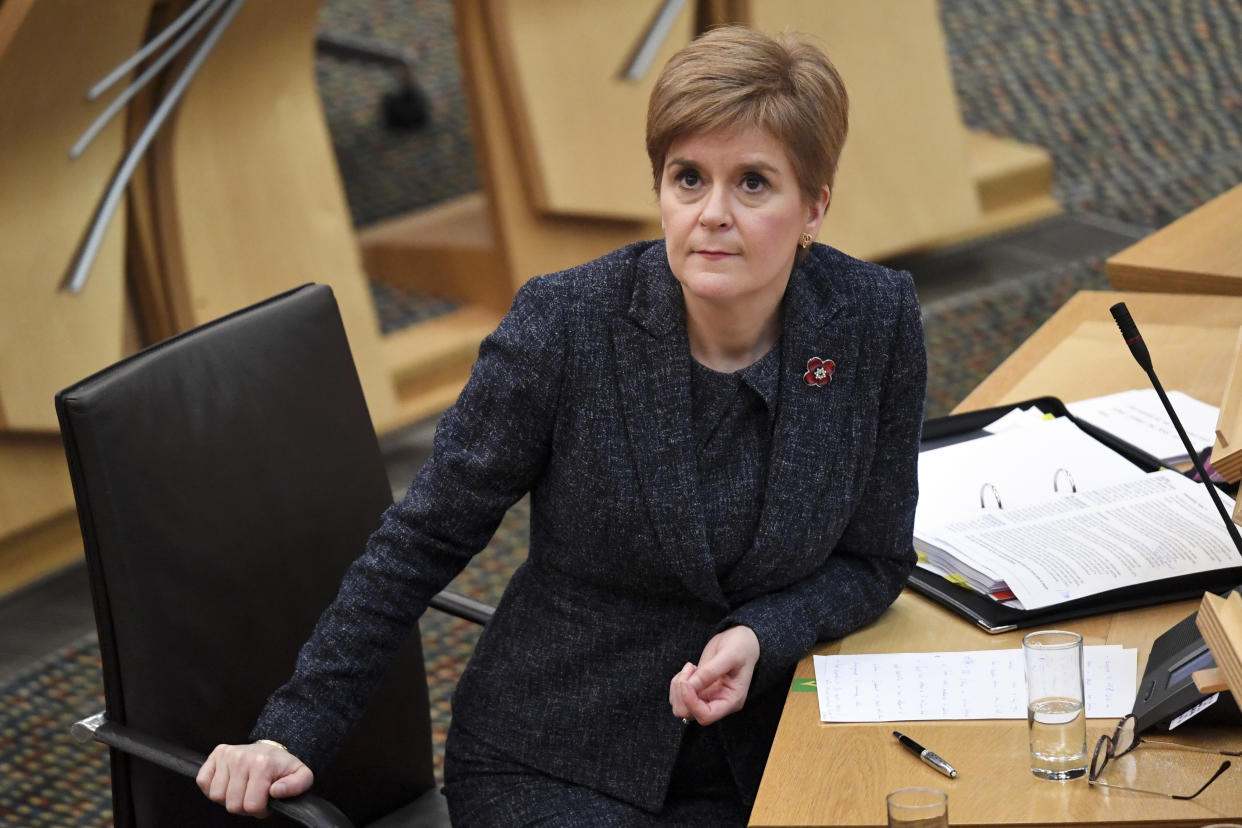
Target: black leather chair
x=224, y=480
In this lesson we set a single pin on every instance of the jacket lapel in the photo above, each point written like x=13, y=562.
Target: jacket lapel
x=811, y=446
x=652, y=367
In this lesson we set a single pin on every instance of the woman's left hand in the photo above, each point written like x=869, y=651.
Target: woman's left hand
x=718, y=685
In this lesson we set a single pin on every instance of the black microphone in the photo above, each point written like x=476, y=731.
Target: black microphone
x=1129, y=331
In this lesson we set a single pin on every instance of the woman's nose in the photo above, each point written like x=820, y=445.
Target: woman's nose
x=717, y=212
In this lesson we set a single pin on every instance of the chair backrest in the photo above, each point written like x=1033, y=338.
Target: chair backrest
x=224, y=480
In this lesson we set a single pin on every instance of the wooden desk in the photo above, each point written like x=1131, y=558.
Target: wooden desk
x=838, y=774
x=1201, y=252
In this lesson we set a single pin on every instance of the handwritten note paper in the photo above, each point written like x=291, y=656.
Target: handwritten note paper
x=980, y=684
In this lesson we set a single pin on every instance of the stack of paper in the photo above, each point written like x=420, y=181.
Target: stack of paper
x=1045, y=547
x=1139, y=418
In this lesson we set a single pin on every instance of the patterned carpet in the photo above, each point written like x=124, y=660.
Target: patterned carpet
x=1138, y=100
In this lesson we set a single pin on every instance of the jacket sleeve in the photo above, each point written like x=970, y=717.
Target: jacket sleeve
x=489, y=449
x=866, y=571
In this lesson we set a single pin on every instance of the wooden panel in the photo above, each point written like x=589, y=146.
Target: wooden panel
x=1079, y=353
x=56, y=49
x=149, y=292
x=251, y=200
x=1220, y=624
x=34, y=480
x=577, y=132
x=1014, y=183
x=11, y=19
x=447, y=251
x=32, y=554
x=529, y=242
x=904, y=178
x=1201, y=252
x=1227, y=450
x=448, y=346
x=579, y=128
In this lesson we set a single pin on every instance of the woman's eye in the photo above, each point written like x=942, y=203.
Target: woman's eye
x=688, y=178
x=753, y=183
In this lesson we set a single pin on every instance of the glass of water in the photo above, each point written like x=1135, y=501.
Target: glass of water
x=1054, y=694
x=918, y=808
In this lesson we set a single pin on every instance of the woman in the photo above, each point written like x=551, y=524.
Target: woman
x=719, y=434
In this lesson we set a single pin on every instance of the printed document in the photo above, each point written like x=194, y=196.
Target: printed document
x=1160, y=526
x=983, y=684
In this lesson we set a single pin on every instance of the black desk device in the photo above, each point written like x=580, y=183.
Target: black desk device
x=1167, y=693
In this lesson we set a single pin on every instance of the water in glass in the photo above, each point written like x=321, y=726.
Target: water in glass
x=1058, y=732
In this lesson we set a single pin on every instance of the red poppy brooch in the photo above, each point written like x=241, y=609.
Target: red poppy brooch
x=819, y=371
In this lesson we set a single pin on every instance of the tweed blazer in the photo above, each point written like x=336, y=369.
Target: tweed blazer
x=581, y=397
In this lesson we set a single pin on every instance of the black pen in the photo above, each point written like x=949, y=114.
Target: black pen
x=926, y=755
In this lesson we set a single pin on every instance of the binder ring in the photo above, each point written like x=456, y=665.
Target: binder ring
x=995, y=494
x=1056, y=480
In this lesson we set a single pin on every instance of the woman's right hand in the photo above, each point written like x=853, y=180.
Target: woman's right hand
x=242, y=777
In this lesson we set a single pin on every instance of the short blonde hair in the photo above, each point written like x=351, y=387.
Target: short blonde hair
x=733, y=77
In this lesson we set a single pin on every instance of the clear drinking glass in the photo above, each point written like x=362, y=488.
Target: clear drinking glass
x=918, y=808
x=1055, y=712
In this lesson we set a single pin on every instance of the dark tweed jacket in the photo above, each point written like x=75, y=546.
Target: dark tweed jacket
x=582, y=398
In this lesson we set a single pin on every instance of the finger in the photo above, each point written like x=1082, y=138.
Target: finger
x=721, y=662
x=219, y=780
x=710, y=710
x=676, y=689
x=696, y=708
x=708, y=674
x=206, y=773
x=297, y=782
x=235, y=794
x=675, y=686
x=258, y=782
x=680, y=710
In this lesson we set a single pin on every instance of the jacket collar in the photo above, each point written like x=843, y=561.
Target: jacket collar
x=652, y=361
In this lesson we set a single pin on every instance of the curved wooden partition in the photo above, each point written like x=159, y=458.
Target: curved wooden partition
x=52, y=52
x=249, y=198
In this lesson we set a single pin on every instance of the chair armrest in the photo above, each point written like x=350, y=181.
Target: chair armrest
x=462, y=607
x=309, y=808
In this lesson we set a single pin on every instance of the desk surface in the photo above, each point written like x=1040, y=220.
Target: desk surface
x=838, y=774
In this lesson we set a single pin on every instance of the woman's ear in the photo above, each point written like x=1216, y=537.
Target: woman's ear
x=817, y=209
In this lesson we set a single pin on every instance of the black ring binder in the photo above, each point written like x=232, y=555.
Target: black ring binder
x=995, y=617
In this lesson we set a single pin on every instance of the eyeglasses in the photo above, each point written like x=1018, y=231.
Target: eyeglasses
x=1124, y=739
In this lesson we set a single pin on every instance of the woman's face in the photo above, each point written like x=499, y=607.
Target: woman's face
x=733, y=212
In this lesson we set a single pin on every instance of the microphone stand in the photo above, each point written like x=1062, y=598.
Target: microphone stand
x=1129, y=331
